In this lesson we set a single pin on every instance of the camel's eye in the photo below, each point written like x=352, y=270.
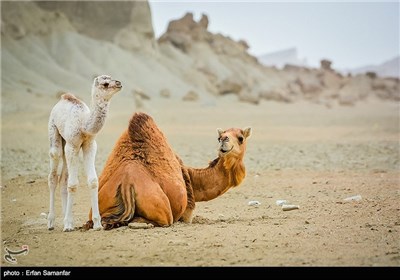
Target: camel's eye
x=240, y=138
x=219, y=139
x=105, y=84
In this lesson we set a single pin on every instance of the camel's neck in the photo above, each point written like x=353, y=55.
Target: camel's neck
x=97, y=116
x=221, y=175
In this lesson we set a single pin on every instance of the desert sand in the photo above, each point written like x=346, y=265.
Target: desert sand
x=308, y=154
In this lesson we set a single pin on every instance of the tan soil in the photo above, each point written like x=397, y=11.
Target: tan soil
x=308, y=154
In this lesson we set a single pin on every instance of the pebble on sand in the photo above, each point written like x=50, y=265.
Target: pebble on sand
x=287, y=207
x=281, y=202
x=353, y=198
x=253, y=202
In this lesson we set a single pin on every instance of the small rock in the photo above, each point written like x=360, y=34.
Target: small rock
x=14, y=200
x=221, y=217
x=43, y=215
x=165, y=93
x=140, y=225
x=191, y=96
x=281, y=202
x=353, y=198
x=253, y=202
x=286, y=207
x=178, y=242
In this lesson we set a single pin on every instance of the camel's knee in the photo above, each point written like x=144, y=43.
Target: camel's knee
x=93, y=183
x=73, y=182
x=72, y=188
x=165, y=220
x=165, y=223
x=55, y=153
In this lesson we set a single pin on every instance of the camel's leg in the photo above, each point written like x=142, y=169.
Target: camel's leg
x=154, y=207
x=64, y=181
x=72, y=157
x=89, y=154
x=151, y=201
x=55, y=154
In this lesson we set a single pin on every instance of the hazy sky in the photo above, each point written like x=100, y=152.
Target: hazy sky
x=351, y=34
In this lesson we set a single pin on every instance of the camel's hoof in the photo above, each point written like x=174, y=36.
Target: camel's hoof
x=51, y=228
x=68, y=229
x=98, y=228
x=97, y=225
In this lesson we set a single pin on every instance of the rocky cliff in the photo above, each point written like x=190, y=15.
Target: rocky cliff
x=230, y=69
x=49, y=47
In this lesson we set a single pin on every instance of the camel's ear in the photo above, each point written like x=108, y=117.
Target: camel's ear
x=96, y=81
x=247, y=132
x=220, y=131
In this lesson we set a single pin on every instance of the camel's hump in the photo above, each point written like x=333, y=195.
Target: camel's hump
x=141, y=125
x=71, y=98
x=140, y=118
x=148, y=141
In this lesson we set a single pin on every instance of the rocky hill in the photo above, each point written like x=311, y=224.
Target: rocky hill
x=48, y=47
x=389, y=68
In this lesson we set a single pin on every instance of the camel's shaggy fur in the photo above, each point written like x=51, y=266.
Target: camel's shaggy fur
x=143, y=180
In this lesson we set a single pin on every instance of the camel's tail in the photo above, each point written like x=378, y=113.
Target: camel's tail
x=121, y=212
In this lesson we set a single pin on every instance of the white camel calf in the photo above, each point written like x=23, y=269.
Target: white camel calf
x=72, y=126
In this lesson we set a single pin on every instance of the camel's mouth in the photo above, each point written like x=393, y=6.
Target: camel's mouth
x=225, y=151
x=118, y=84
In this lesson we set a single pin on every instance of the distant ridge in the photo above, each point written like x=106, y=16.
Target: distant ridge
x=389, y=68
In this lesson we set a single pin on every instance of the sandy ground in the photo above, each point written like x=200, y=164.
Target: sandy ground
x=308, y=154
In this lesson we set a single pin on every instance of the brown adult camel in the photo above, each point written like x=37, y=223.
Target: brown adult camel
x=144, y=181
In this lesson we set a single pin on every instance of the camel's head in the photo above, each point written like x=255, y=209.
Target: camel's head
x=105, y=87
x=233, y=141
